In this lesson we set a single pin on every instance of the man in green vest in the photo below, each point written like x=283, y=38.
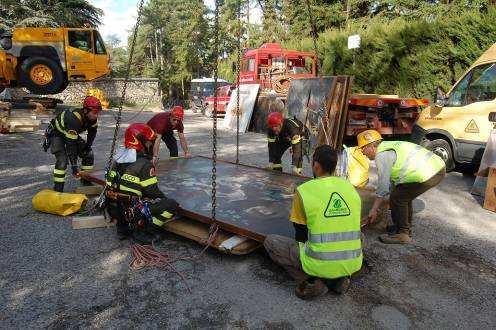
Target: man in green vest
x=327, y=245
x=405, y=171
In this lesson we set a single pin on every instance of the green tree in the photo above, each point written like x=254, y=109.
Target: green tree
x=48, y=13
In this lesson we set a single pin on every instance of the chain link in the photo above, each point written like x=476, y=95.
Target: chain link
x=214, y=128
x=101, y=198
x=238, y=72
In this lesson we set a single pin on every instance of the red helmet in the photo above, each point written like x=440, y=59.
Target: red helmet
x=178, y=112
x=274, y=119
x=92, y=104
x=137, y=134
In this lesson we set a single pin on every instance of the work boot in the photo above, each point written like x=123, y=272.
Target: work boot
x=311, y=289
x=58, y=186
x=399, y=238
x=340, y=285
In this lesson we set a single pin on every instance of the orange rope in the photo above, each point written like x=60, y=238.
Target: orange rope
x=149, y=256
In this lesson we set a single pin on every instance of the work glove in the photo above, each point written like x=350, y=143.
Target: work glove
x=297, y=170
x=75, y=170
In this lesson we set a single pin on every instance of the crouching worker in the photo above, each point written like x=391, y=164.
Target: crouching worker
x=327, y=248
x=133, y=196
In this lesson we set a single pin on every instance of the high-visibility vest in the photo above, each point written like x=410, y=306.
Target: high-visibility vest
x=414, y=164
x=332, y=208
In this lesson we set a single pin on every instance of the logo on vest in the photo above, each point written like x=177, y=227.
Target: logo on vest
x=337, y=207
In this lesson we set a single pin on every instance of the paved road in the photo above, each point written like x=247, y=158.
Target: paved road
x=53, y=276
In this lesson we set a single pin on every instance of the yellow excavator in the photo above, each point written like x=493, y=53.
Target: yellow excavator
x=45, y=60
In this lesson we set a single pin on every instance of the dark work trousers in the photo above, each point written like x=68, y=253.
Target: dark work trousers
x=58, y=149
x=171, y=143
x=277, y=150
x=402, y=196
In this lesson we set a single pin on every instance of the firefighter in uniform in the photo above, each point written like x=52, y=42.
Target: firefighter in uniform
x=282, y=134
x=133, y=179
x=164, y=124
x=405, y=171
x=326, y=217
x=66, y=144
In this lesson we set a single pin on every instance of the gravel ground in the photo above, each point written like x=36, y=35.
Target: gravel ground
x=54, y=277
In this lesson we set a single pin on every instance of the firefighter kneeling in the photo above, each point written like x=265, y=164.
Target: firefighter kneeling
x=133, y=195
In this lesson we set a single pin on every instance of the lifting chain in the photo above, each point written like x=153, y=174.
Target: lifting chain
x=123, y=96
x=238, y=72
x=214, y=128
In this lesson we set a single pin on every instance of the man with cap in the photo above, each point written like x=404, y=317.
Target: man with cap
x=327, y=248
x=282, y=134
x=405, y=171
x=164, y=124
x=66, y=143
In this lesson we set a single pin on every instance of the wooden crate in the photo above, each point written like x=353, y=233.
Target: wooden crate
x=18, y=122
x=490, y=199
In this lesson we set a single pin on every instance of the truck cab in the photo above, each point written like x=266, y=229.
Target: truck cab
x=45, y=60
x=457, y=126
x=271, y=65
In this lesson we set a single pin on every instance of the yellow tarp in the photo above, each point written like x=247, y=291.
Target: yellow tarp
x=358, y=167
x=99, y=95
x=49, y=201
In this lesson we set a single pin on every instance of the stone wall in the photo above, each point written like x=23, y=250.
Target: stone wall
x=139, y=90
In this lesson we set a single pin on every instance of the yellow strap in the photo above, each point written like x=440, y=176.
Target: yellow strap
x=270, y=140
x=56, y=179
x=87, y=168
x=276, y=165
x=56, y=171
x=124, y=188
x=149, y=182
x=291, y=120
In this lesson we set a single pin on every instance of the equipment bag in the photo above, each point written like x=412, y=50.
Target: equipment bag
x=49, y=201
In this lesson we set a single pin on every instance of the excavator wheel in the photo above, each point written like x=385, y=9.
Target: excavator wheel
x=41, y=75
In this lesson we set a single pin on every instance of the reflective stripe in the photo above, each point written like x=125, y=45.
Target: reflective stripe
x=149, y=182
x=56, y=179
x=418, y=163
x=87, y=167
x=131, y=178
x=334, y=237
x=157, y=222
x=124, y=188
x=56, y=171
x=78, y=115
x=295, y=123
x=296, y=139
x=339, y=255
x=59, y=124
x=94, y=125
x=173, y=157
x=270, y=140
x=276, y=165
x=167, y=215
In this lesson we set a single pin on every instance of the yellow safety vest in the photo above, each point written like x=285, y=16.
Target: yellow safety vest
x=332, y=208
x=414, y=164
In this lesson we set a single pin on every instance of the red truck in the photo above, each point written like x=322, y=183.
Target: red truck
x=223, y=97
x=272, y=67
